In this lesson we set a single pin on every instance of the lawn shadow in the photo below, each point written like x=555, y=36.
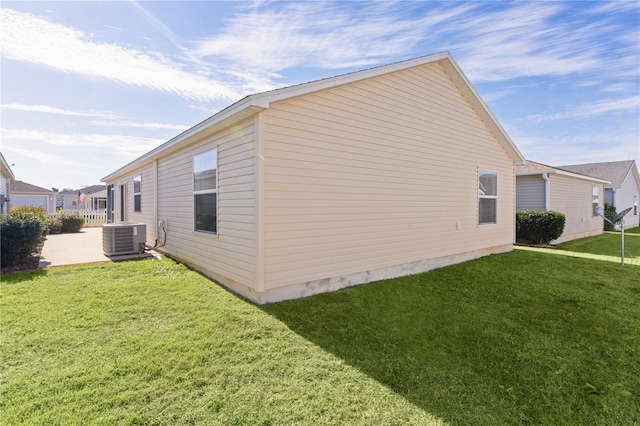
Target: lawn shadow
x=15, y=277
x=462, y=348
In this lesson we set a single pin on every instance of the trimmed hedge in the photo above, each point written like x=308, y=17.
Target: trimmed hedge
x=33, y=210
x=20, y=236
x=609, y=212
x=538, y=226
x=71, y=222
x=54, y=226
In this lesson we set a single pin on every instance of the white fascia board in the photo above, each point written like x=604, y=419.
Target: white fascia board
x=265, y=98
x=6, y=168
x=254, y=103
x=534, y=172
x=562, y=173
x=483, y=111
x=634, y=170
x=225, y=118
x=583, y=177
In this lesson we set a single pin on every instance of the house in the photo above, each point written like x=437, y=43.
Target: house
x=6, y=176
x=542, y=187
x=311, y=188
x=623, y=191
x=25, y=194
x=92, y=197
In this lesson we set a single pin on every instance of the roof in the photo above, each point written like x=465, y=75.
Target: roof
x=86, y=190
x=613, y=171
x=252, y=104
x=20, y=186
x=5, y=169
x=533, y=168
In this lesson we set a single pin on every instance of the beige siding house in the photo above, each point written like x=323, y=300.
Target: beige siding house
x=26, y=194
x=623, y=188
x=376, y=174
x=542, y=187
x=6, y=176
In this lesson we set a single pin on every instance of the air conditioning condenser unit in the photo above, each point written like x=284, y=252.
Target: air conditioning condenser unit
x=123, y=238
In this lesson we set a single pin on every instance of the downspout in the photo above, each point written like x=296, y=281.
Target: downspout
x=155, y=199
x=547, y=191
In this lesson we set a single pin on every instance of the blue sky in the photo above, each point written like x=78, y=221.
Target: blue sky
x=87, y=87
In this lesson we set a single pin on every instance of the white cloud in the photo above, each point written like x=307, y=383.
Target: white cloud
x=117, y=144
x=107, y=115
x=39, y=156
x=28, y=38
x=494, y=43
x=313, y=34
x=159, y=126
x=629, y=104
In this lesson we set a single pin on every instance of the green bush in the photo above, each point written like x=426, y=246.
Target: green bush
x=33, y=210
x=538, y=226
x=71, y=222
x=21, y=234
x=54, y=226
x=609, y=213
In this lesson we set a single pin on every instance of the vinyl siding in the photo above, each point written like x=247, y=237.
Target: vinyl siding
x=376, y=174
x=624, y=199
x=530, y=192
x=229, y=256
x=146, y=214
x=573, y=197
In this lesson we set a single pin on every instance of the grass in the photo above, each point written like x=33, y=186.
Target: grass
x=607, y=244
x=519, y=338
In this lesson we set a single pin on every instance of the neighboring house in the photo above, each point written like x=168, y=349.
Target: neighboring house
x=6, y=176
x=542, y=187
x=311, y=188
x=25, y=194
x=92, y=197
x=623, y=191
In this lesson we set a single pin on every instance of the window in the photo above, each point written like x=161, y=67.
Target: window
x=205, y=191
x=487, y=197
x=137, y=194
x=594, y=200
x=635, y=205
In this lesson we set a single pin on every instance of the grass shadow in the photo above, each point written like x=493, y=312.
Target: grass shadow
x=520, y=338
x=21, y=276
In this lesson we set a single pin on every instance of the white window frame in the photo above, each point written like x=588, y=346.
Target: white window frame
x=595, y=200
x=204, y=191
x=137, y=194
x=487, y=197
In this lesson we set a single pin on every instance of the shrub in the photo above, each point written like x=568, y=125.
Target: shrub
x=538, y=226
x=609, y=213
x=54, y=226
x=33, y=210
x=21, y=234
x=71, y=222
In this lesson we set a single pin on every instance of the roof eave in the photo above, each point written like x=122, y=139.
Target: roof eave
x=227, y=117
x=252, y=104
x=467, y=89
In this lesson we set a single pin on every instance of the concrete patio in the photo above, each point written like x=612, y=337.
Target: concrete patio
x=82, y=247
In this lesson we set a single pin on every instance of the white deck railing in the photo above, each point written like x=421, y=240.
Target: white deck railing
x=91, y=217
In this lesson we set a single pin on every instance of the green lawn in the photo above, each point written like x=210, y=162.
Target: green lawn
x=519, y=338
x=607, y=244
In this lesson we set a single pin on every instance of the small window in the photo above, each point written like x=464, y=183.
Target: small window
x=487, y=197
x=205, y=191
x=137, y=194
x=635, y=205
x=595, y=200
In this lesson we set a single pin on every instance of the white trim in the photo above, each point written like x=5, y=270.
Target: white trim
x=204, y=191
x=253, y=104
x=487, y=197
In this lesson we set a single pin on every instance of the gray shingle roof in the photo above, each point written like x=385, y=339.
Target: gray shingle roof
x=20, y=186
x=614, y=171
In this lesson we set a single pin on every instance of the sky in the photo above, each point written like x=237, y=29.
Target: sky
x=87, y=87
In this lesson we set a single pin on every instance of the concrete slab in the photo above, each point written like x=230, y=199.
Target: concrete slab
x=82, y=247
